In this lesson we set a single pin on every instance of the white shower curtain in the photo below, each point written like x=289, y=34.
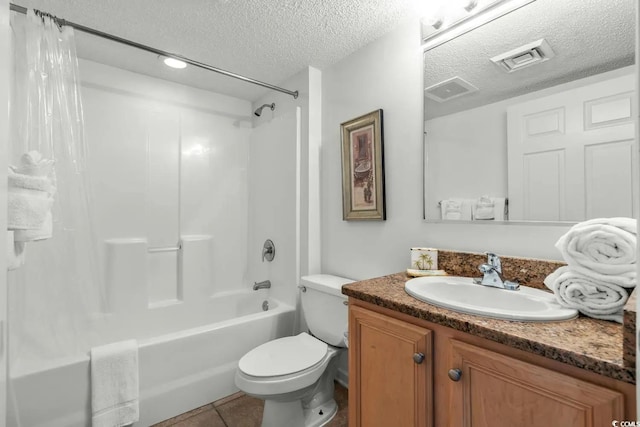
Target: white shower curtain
x=56, y=297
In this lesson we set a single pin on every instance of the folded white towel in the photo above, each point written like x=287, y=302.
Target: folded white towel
x=592, y=297
x=30, y=197
x=33, y=164
x=38, y=183
x=15, y=252
x=489, y=208
x=32, y=235
x=27, y=209
x=484, y=209
x=114, y=384
x=603, y=245
x=451, y=209
x=456, y=209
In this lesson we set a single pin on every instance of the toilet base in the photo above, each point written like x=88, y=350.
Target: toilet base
x=292, y=414
x=315, y=408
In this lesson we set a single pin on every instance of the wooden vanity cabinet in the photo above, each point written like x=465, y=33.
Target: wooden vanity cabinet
x=489, y=389
x=466, y=381
x=390, y=371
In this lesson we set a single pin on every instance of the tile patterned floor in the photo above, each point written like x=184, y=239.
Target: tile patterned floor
x=240, y=410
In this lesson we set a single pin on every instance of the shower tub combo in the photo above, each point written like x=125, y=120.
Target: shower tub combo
x=179, y=371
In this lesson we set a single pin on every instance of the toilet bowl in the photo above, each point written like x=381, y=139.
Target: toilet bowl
x=295, y=375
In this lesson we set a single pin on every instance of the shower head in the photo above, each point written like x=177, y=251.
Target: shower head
x=258, y=111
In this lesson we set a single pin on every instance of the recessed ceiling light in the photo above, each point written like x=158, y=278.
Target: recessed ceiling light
x=173, y=63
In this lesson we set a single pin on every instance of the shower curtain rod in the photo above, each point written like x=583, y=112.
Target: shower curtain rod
x=79, y=27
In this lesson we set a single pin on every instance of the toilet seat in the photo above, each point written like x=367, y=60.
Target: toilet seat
x=299, y=368
x=283, y=356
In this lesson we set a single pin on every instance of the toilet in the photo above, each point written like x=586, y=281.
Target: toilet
x=294, y=375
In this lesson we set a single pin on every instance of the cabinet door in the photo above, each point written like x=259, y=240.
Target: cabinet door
x=499, y=391
x=390, y=372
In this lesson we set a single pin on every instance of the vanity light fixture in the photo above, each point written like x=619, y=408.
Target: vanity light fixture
x=445, y=22
x=173, y=62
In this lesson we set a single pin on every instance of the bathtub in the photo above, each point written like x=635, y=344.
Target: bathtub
x=179, y=371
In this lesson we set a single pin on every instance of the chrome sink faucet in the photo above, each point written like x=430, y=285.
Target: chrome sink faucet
x=492, y=271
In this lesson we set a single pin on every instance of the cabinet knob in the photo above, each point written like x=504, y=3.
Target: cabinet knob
x=455, y=374
x=418, y=358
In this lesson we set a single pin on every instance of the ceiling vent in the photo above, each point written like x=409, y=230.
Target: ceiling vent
x=524, y=56
x=449, y=89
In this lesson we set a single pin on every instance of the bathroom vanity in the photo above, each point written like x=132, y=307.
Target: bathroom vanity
x=415, y=364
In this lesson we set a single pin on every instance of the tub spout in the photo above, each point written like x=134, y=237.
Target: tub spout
x=262, y=285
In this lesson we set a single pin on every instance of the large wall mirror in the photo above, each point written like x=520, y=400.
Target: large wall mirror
x=532, y=116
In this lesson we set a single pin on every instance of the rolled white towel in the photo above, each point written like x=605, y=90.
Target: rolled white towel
x=603, y=245
x=592, y=297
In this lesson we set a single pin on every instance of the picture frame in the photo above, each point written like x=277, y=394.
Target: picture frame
x=363, y=192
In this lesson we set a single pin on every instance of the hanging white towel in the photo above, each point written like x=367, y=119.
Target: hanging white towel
x=15, y=252
x=114, y=384
x=603, y=245
x=592, y=297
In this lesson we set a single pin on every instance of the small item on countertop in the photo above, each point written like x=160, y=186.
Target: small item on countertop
x=424, y=259
x=421, y=273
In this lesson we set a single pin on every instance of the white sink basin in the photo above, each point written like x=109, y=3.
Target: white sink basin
x=463, y=295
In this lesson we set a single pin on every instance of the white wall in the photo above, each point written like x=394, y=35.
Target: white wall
x=387, y=74
x=5, y=66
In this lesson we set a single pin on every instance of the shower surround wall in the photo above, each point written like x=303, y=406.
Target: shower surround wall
x=169, y=169
x=177, y=166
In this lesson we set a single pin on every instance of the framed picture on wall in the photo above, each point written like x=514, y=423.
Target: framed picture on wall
x=363, y=168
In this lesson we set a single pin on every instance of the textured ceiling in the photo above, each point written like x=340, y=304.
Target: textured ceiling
x=268, y=40
x=587, y=36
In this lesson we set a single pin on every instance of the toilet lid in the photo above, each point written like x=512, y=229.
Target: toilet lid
x=283, y=356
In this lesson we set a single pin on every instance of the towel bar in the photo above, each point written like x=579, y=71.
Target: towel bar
x=164, y=249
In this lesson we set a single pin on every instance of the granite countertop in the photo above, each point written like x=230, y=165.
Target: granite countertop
x=586, y=343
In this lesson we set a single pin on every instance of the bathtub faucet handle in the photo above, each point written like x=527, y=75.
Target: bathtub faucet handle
x=261, y=285
x=268, y=250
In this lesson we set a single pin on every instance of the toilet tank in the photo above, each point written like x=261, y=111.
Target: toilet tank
x=324, y=307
